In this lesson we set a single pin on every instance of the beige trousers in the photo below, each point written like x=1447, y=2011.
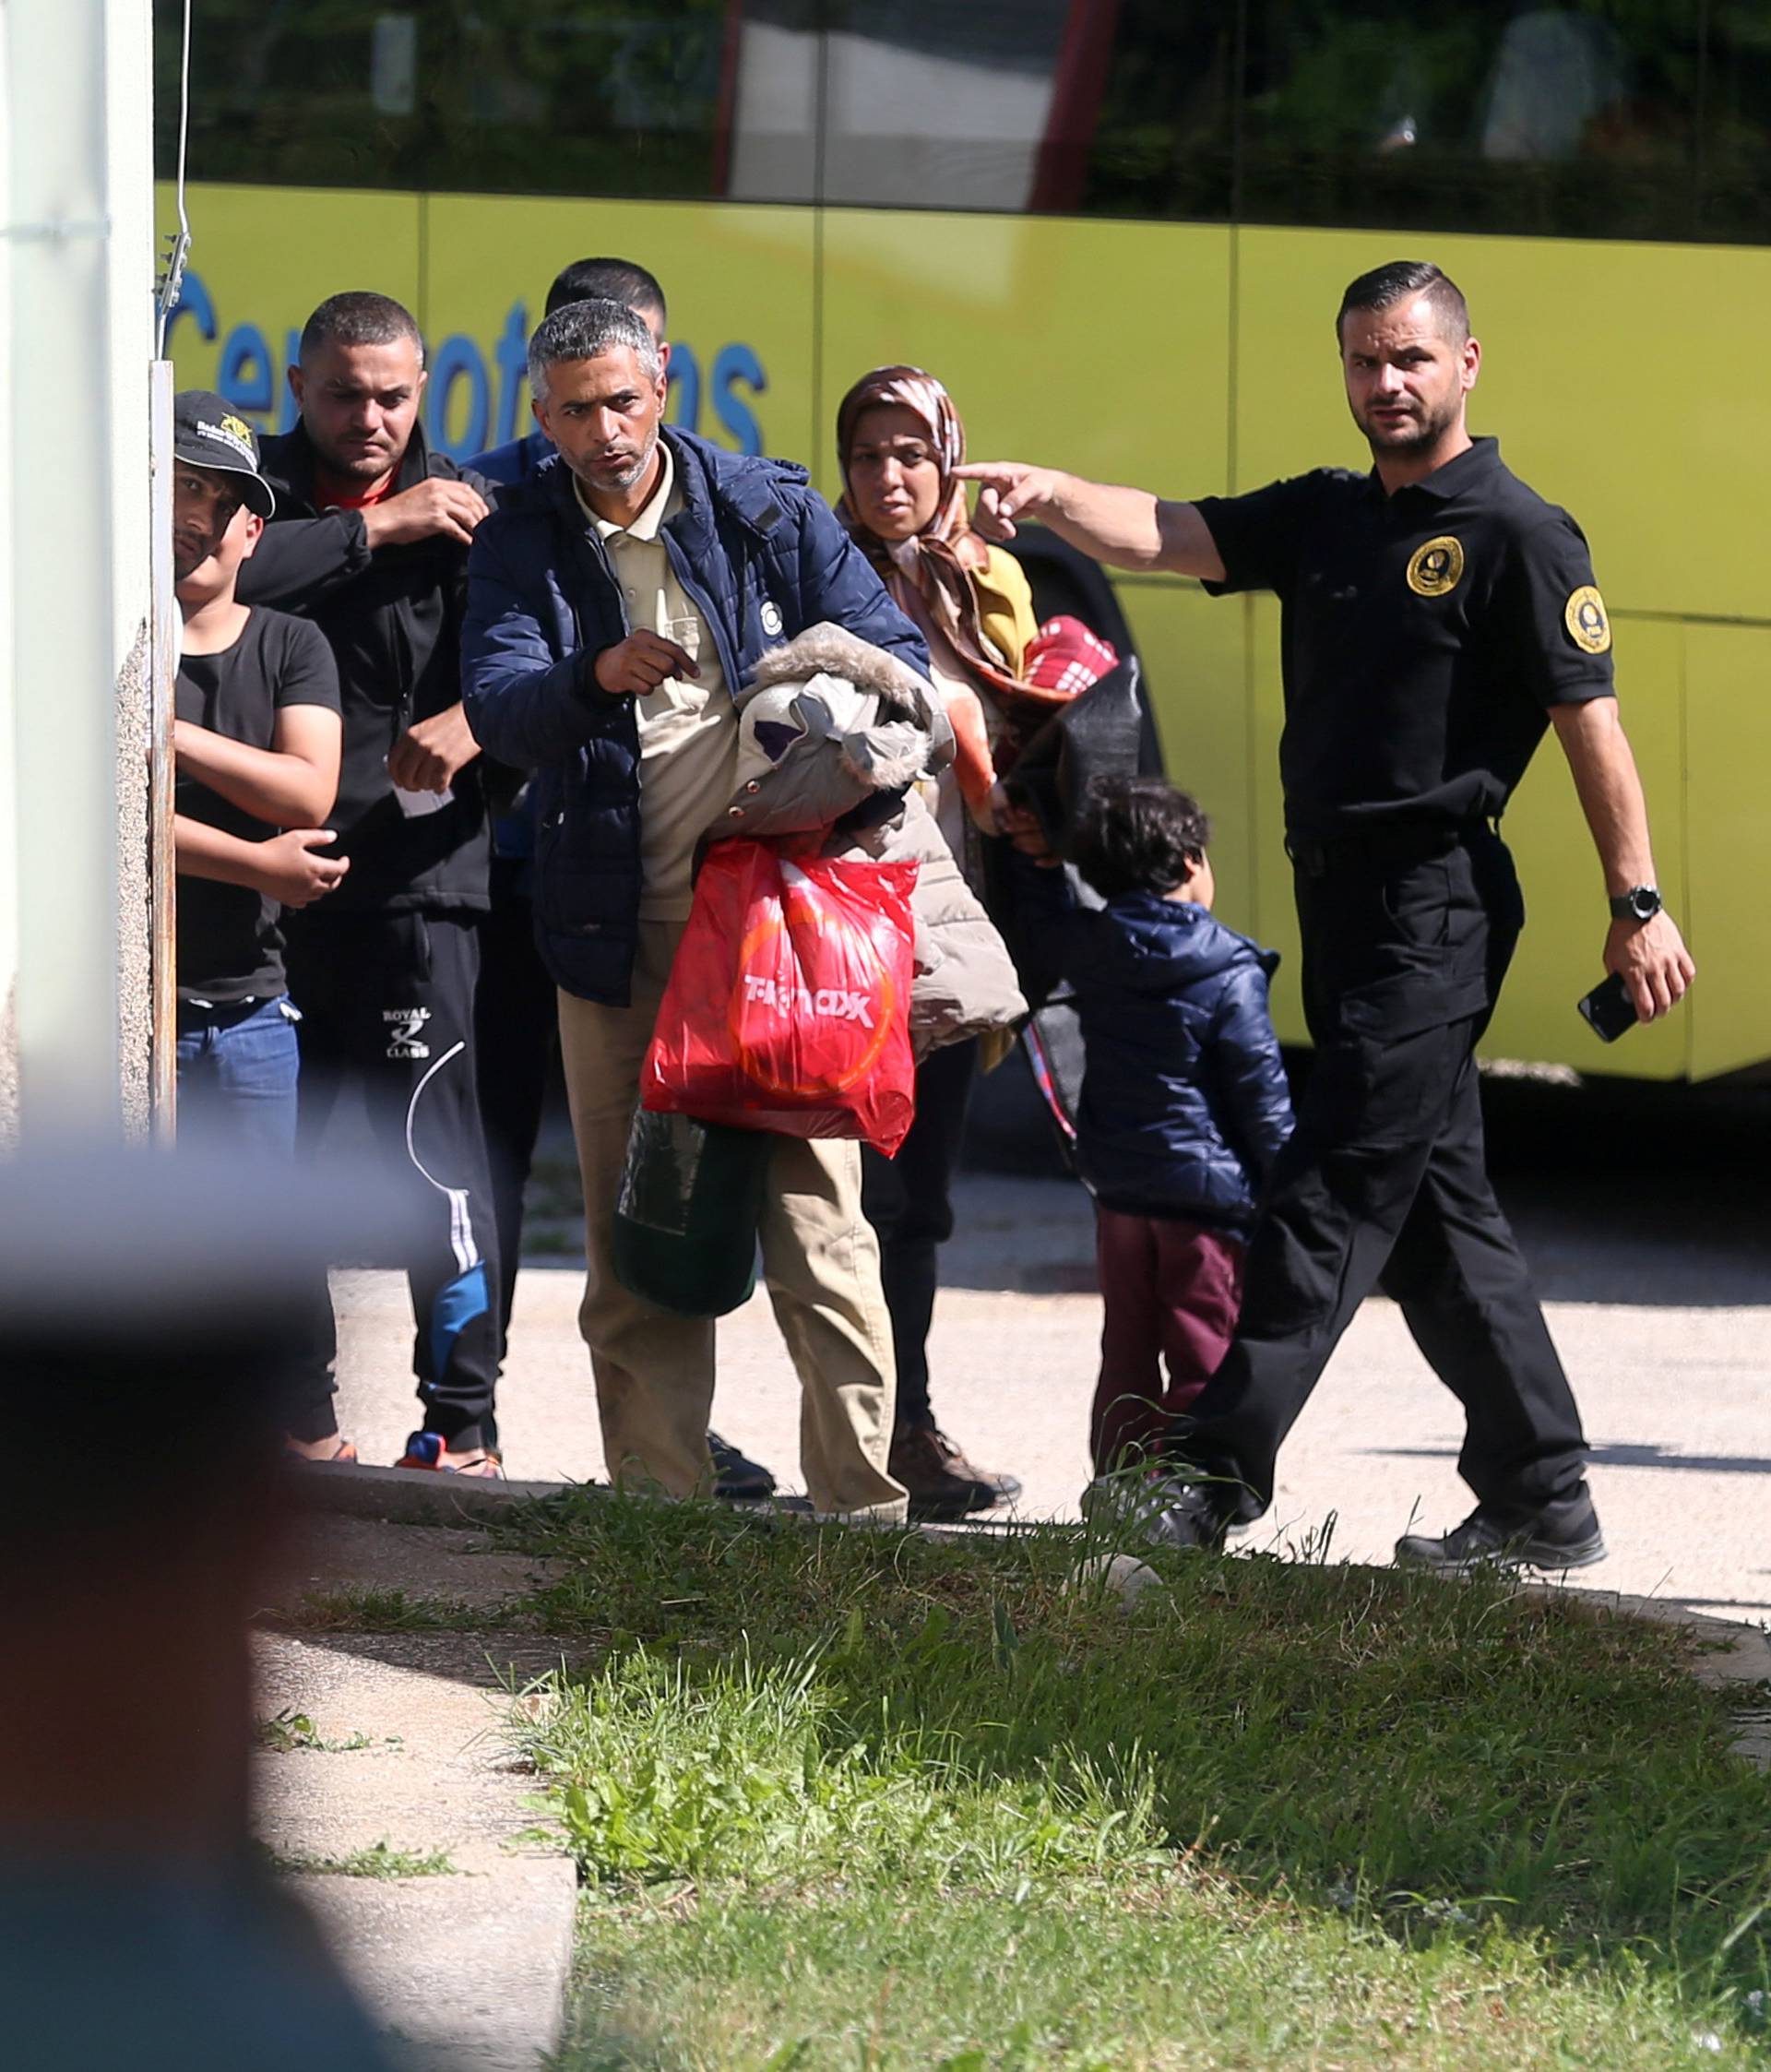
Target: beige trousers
x=655, y=1370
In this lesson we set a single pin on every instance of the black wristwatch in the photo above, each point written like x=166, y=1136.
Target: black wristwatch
x=1641, y=903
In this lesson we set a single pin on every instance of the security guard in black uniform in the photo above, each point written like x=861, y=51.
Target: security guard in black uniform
x=1437, y=616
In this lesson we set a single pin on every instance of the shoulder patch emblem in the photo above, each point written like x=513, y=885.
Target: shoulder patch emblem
x=1589, y=625
x=1437, y=569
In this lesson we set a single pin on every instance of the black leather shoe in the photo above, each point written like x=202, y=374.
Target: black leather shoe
x=738, y=1479
x=1565, y=1537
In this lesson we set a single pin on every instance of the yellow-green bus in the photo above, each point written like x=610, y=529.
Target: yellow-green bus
x=1118, y=231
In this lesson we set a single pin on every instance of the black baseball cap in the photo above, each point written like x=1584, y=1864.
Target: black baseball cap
x=207, y=433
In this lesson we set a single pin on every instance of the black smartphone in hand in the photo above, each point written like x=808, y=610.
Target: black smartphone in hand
x=1609, y=1010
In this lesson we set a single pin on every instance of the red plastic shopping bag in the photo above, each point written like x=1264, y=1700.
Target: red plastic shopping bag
x=788, y=1006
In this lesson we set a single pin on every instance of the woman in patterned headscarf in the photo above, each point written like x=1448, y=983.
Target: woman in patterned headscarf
x=899, y=438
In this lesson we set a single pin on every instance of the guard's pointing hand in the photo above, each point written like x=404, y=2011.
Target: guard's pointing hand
x=1008, y=490
x=640, y=663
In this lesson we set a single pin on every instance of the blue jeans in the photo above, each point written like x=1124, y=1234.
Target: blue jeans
x=237, y=1067
x=237, y=1070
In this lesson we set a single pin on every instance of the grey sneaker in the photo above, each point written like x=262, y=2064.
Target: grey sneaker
x=1156, y=1509
x=1566, y=1538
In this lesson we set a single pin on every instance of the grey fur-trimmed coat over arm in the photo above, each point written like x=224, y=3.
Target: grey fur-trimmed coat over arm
x=835, y=736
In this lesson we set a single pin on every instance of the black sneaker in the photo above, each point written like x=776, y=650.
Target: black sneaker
x=1565, y=1537
x=735, y=1478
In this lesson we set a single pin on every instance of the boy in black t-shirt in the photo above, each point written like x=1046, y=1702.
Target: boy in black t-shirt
x=255, y=744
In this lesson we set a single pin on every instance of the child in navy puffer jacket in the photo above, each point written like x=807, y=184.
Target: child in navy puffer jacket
x=1184, y=1102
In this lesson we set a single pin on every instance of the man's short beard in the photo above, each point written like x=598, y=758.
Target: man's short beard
x=637, y=473
x=1424, y=433
x=358, y=467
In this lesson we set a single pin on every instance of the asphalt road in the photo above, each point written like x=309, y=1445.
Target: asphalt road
x=1644, y=1214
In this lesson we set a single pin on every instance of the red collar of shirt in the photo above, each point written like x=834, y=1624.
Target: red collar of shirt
x=338, y=493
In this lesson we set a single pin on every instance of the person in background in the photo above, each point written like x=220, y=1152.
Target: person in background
x=617, y=600
x=255, y=747
x=616, y=280
x=517, y=1013
x=1184, y=1106
x=383, y=972
x=898, y=438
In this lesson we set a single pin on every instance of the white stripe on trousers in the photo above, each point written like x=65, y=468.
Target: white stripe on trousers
x=461, y=1237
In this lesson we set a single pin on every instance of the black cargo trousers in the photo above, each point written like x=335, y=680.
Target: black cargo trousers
x=386, y=1000
x=1407, y=937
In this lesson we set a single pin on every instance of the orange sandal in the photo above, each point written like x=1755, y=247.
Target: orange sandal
x=427, y=1450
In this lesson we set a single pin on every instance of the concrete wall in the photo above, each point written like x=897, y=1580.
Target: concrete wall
x=135, y=945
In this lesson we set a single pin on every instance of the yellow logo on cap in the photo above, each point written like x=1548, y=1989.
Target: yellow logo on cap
x=1587, y=625
x=1435, y=569
x=238, y=428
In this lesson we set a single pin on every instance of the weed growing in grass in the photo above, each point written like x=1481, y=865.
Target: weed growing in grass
x=742, y=1772
x=287, y=1731
x=384, y=1610
x=376, y=1860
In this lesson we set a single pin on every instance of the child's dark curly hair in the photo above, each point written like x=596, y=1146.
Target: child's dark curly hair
x=1137, y=834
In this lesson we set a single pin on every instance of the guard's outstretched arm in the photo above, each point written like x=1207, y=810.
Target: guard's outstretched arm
x=1128, y=528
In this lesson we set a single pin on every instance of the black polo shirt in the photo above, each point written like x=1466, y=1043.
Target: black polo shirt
x=1425, y=634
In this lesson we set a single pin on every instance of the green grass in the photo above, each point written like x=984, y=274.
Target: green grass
x=856, y=1800
x=375, y=1859
x=382, y=1611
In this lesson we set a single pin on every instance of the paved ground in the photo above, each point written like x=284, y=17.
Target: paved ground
x=1652, y=1254
x=398, y=1741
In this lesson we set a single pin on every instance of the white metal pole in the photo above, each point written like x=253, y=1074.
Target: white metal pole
x=10, y=860
x=79, y=253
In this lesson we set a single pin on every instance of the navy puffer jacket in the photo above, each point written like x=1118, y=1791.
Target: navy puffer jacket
x=762, y=557
x=1185, y=1099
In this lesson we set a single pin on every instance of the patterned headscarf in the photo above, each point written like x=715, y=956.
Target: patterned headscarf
x=928, y=575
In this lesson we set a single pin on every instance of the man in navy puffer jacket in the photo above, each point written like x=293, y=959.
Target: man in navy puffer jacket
x=615, y=602
x=1183, y=1102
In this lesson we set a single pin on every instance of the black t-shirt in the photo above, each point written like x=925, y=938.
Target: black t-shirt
x=228, y=948
x=1425, y=634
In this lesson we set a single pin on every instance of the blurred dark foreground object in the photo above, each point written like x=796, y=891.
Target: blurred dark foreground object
x=146, y=1303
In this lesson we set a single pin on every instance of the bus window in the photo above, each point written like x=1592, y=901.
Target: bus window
x=924, y=103
x=580, y=97
x=1162, y=144
x=290, y=96
x=1569, y=120
x=1734, y=194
